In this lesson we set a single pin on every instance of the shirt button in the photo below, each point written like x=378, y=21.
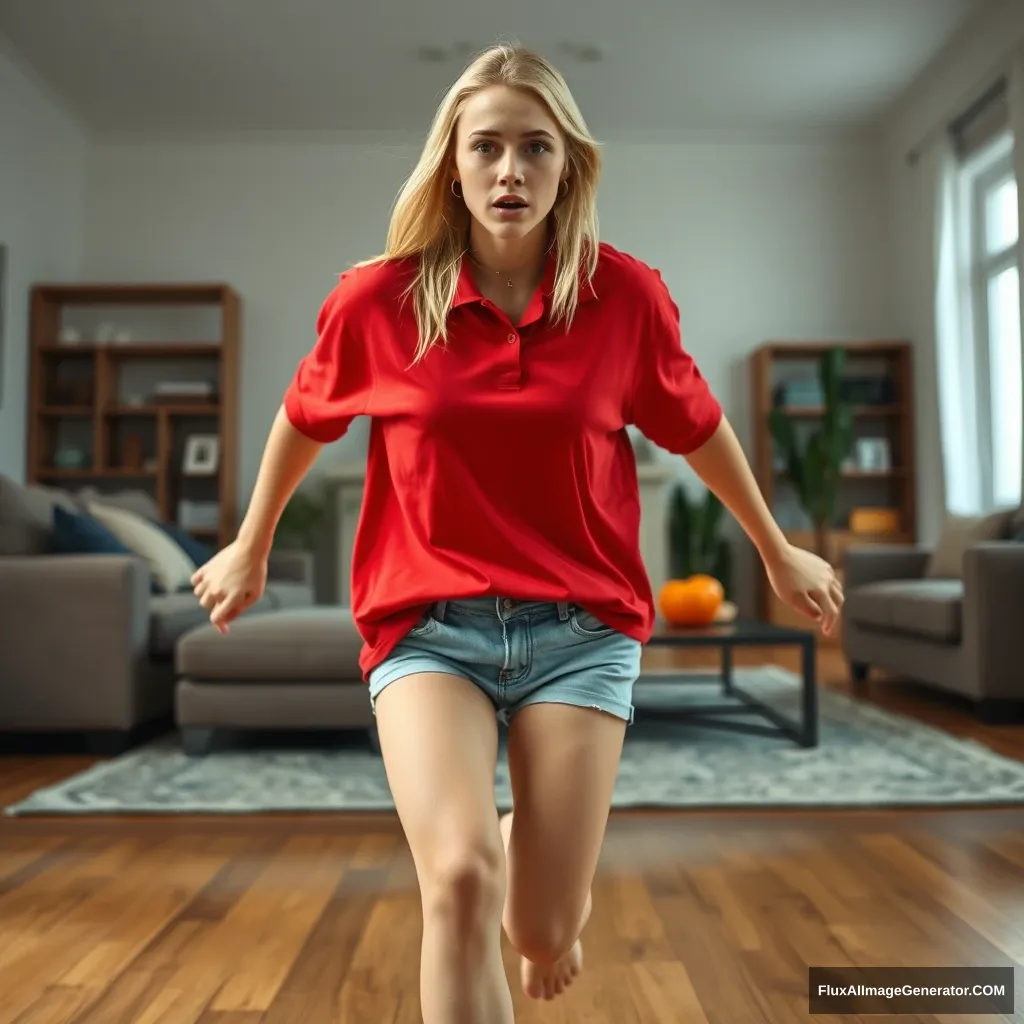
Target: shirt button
x=511, y=339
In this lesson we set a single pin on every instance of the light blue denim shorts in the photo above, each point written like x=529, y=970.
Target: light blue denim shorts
x=520, y=653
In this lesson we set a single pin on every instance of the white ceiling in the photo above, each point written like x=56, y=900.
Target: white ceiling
x=668, y=66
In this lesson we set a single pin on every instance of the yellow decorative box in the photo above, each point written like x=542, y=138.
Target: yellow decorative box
x=874, y=520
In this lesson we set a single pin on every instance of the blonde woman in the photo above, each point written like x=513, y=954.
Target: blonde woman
x=500, y=350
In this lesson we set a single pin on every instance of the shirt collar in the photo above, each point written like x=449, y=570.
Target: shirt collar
x=466, y=290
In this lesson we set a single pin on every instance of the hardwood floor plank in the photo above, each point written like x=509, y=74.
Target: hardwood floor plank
x=379, y=984
x=946, y=937
x=136, y=997
x=231, y=1017
x=1009, y=848
x=56, y=1004
x=24, y=856
x=92, y=942
x=312, y=988
x=997, y=923
x=625, y=926
x=29, y=911
x=247, y=862
x=663, y=993
x=268, y=925
x=723, y=982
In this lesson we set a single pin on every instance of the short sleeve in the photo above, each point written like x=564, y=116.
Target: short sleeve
x=333, y=383
x=672, y=404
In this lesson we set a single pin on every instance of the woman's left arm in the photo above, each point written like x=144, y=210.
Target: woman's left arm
x=799, y=577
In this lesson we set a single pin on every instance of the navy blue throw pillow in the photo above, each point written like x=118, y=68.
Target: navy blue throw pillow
x=78, y=533
x=81, y=534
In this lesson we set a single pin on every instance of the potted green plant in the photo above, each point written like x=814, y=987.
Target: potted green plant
x=302, y=516
x=816, y=467
x=696, y=542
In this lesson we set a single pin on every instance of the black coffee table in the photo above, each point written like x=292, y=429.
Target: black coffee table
x=727, y=637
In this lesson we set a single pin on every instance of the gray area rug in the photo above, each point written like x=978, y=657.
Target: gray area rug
x=866, y=758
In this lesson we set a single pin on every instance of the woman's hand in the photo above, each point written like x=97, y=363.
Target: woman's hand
x=230, y=582
x=807, y=583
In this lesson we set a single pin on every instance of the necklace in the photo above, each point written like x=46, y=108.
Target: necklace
x=488, y=270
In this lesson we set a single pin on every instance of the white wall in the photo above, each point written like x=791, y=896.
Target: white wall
x=42, y=174
x=757, y=241
x=954, y=78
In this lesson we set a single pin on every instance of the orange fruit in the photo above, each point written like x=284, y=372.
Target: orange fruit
x=693, y=601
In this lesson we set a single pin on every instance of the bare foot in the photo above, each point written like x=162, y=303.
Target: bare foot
x=542, y=981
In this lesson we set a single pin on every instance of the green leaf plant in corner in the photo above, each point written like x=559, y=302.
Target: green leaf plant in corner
x=297, y=527
x=696, y=542
x=816, y=469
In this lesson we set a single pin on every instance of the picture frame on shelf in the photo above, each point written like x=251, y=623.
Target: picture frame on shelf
x=202, y=455
x=873, y=454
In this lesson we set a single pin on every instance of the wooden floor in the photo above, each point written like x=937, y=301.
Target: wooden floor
x=698, y=916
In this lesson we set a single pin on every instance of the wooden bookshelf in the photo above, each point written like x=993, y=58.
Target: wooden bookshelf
x=884, y=370
x=94, y=417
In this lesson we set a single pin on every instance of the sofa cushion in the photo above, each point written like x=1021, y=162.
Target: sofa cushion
x=935, y=611
x=170, y=565
x=198, y=552
x=284, y=594
x=868, y=604
x=137, y=501
x=26, y=517
x=171, y=616
x=957, y=534
x=77, y=533
x=1016, y=531
x=319, y=644
x=930, y=609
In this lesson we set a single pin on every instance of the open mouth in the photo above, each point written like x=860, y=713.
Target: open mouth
x=509, y=204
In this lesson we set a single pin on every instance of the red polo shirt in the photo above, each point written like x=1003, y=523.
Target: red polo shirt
x=500, y=465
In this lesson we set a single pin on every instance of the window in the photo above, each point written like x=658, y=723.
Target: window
x=989, y=201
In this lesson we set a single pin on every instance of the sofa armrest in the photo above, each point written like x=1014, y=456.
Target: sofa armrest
x=873, y=564
x=994, y=615
x=291, y=567
x=73, y=630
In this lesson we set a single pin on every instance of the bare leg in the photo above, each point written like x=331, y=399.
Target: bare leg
x=543, y=980
x=439, y=741
x=563, y=761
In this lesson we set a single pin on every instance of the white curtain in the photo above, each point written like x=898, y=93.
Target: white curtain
x=1016, y=101
x=953, y=332
x=964, y=449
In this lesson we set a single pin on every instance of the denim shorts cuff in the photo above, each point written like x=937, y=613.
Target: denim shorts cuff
x=391, y=670
x=582, y=700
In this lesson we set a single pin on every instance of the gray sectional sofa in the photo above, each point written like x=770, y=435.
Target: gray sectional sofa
x=86, y=645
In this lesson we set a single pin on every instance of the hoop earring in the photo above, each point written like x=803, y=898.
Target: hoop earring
x=458, y=195
x=563, y=193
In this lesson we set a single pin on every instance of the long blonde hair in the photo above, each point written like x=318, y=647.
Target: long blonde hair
x=430, y=223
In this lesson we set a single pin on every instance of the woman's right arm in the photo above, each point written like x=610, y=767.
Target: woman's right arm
x=234, y=579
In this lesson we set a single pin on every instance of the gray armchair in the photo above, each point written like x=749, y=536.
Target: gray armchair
x=949, y=617
x=85, y=646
